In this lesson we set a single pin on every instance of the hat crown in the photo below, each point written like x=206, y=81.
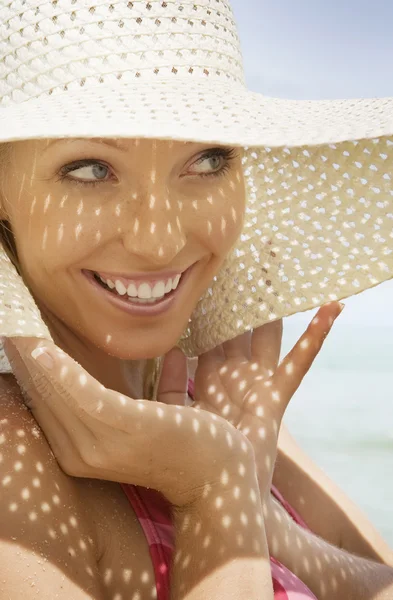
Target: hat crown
x=49, y=47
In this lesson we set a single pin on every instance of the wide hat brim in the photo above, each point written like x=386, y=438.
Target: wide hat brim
x=200, y=110
x=319, y=218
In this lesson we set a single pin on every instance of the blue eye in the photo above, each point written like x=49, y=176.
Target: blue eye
x=212, y=163
x=209, y=164
x=87, y=171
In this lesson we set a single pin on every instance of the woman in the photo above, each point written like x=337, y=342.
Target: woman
x=118, y=238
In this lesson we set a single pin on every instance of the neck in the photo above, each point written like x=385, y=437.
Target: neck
x=125, y=377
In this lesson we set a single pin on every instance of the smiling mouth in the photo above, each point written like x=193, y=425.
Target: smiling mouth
x=139, y=292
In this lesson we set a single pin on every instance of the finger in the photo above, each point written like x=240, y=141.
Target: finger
x=211, y=357
x=221, y=409
x=296, y=364
x=239, y=347
x=214, y=353
x=266, y=344
x=59, y=381
x=173, y=384
x=53, y=429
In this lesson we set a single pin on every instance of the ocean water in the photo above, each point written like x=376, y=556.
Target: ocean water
x=342, y=415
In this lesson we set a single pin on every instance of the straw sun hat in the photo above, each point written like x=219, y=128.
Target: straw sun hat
x=319, y=218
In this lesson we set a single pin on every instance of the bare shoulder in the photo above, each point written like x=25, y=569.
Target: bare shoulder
x=327, y=510
x=44, y=535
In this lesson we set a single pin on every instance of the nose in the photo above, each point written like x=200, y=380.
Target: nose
x=155, y=232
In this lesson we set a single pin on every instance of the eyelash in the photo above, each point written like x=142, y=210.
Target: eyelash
x=229, y=154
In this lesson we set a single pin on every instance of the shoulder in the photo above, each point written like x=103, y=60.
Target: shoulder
x=323, y=505
x=21, y=439
x=41, y=514
x=26, y=459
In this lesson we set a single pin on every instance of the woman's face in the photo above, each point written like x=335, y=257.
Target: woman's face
x=118, y=239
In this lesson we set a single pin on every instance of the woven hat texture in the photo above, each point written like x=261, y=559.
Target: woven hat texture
x=318, y=225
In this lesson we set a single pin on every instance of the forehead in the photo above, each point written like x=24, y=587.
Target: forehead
x=125, y=145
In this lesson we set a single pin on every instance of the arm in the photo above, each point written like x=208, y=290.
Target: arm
x=323, y=505
x=221, y=547
x=36, y=499
x=220, y=543
x=211, y=561
x=328, y=571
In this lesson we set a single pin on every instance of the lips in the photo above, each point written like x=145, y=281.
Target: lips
x=139, y=291
x=136, y=305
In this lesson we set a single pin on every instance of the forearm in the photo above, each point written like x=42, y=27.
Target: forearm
x=328, y=571
x=221, y=551
x=323, y=505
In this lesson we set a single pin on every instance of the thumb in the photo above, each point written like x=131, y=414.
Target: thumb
x=172, y=388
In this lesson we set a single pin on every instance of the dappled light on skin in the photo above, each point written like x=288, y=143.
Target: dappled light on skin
x=231, y=499
x=33, y=205
x=78, y=230
x=47, y=203
x=72, y=222
x=60, y=233
x=246, y=384
x=84, y=207
x=79, y=210
x=115, y=434
x=44, y=238
x=43, y=508
x=240, y=523
x=325, y=568
x=46, y=508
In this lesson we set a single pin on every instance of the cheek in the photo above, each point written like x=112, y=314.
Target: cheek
x=57, y=229
x=218, y=217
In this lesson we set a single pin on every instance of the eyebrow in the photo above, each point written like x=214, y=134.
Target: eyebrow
x=107, y=142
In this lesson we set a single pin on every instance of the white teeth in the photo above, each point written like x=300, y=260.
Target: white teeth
x=158, y=290
x=120, y=288
x=176, y=282
x=144, y=291
x=132, y=291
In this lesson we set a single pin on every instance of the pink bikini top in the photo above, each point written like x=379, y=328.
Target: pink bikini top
x=154, y=515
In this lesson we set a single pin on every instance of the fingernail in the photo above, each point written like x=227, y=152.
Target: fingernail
x=42, y=356
x=342, y=306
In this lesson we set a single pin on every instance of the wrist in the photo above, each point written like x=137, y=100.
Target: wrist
x=221, y=540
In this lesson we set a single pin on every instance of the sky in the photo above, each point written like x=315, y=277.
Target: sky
x=322, y=49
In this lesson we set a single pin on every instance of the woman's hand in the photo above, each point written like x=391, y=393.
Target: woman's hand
x=243, y=382
x=98, y=433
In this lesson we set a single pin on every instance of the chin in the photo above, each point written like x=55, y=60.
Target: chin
x=139, y=345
